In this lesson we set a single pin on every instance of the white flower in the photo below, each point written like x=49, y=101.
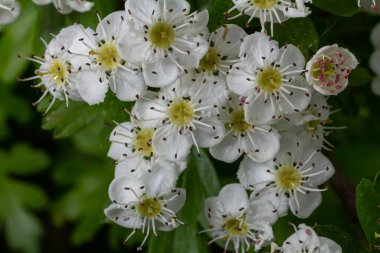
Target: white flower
x=67, y=6
x=223, y=51
x=133, y=150
x=270, y=78
x=272, y=11
x=373, y=5
x=103, y=59
x=149, y=203
x=232, y=217
x=164, y=38
x=294, y=174
x=9, y=11
x=184, y=114
x=306, y=240
x=260, y=142
x=60, y=72
x=311, y=125
x=329, y=69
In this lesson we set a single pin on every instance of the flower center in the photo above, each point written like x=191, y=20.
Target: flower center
x=264, y=4
x=161, y=35
x=59, y=70
x=107, y=56
x=324, y=70
x=288, y=178
x=270, y=79
x=236, y=227
x=312, y=126
x=181, y=113
x=210, y=61
x=149, y=207
x=143, y=142
x=238, y=123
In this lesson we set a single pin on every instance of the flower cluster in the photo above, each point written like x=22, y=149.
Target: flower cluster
x=238, y=94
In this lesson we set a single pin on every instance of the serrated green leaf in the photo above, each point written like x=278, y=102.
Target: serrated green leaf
x=367, y=206
x=344, y=8
x=347, y=243
x=24, y=160
x=300, y=32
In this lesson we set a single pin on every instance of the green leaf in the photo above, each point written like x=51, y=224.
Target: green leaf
x=344, y=8
x=347, y=243
x=360, y=76
x=368, y=207
x=24, y=160
x=68, y=121
x=300, y=32
x=18, y=38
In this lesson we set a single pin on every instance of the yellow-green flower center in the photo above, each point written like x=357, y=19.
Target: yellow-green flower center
x=311, y=126
x=181, y=113
x=238, y=123
x=149, y=207
x=161, y=35
x=143, y=142
x=59, y=70
x=107, y=56
x=210, y=61
x=269, y=79
x=288, y=178
x=264, y=4
x=235, y=227
x=323, y=69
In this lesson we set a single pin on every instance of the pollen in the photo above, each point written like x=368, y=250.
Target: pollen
x=264, y=4
x=288, y=178
x=238, y=123
x=236, y=227
x=210, y=61
x=59, y=70
x=269, y=80
x=181, y=113
x=161, y=35
x=149, y=207
x=107, y=56
x=143, y=142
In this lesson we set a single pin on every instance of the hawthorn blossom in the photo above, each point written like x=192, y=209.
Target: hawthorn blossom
x=373, y=4
x=292, y=178
x=67, y=6
x=131, y=147
x=164, y=38
x=306, y=240
x=272, y=11
x=260, y=142
x=60, y=72
x=103, y=57
x=183, y=114
x=9, y=11
x=374, y=60
x=270, y=79
x=149, y=203
x=312, y=125
x=235, y=219
x=329, y=69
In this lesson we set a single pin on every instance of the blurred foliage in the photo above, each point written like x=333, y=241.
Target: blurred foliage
x=53, y=193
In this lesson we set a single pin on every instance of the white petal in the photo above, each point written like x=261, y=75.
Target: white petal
x=329, y=246
x=169, y=143
x=113, y=25
x=374, y=62
x=375, y=85
x=291, y=56
x=375, y=36
x=262, y=210
x=307, y=204
x=129, y=85
x=132, y=45
x=160, y=72
x=259, y=111
x=199, y=25
x=227, y=150
x=297, y=100
x=141, y=10
x=122, y=190
x=92, y=86
x=233, y=198
x=42, y=2
x=227, y=39
x=291, y=149
x=320, y=163
x=239, y=81
x=261, y=146
x=80, y=6
x=119, y=215
x=253, y=174
x=136, y=166
x=208, y=136
x=177, y=203
x=162, y=179
x=148, y=117
x=9, y=16
x=276, y=197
